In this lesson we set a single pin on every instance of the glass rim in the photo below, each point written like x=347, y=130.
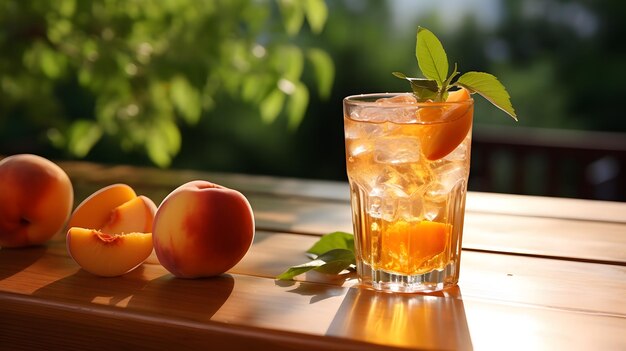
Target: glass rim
x=369, y=99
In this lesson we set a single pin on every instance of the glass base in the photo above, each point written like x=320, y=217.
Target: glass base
x=432, y=281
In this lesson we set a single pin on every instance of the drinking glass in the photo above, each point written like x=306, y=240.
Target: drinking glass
x=408, y=165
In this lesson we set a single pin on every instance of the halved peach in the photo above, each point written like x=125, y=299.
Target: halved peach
x=111, y=231
x=135, y=215
x=95, y=210
x=108, y=255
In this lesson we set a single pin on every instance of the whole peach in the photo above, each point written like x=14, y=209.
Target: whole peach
x=202, y=229
x=36, y=199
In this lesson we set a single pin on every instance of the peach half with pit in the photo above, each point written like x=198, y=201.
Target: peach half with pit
x=202, y=229
x=110, y=232
x=36, y=199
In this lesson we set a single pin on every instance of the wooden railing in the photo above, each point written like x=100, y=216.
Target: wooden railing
x=565, y=163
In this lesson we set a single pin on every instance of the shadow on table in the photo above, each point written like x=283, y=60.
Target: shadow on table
x=333, y=285
x=84, y=287
x=433, y=321
x=15, y=260
x=196, y=299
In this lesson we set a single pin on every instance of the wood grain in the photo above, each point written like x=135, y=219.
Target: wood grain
x=521, y=292
x=536, y=273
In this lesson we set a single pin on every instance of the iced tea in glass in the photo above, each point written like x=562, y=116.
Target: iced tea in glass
x=408, y=166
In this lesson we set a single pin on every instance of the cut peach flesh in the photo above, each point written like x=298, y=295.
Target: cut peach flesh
x=135, y=215
x=95, y=211
x=108, y=255
x=439, y=139
x=419, y=240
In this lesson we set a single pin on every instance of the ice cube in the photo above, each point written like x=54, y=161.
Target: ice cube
x=461, y=153
x=357, y=148
x=356, y=130
x=374, y=202
x=434, y=211
x=410, y=208
x=397, y=149
x=370, y=114
x=397, y=109
x=389, y=207
x=448, y=175
x=398, y=99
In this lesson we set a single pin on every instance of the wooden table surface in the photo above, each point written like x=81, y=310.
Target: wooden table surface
x=536, y=273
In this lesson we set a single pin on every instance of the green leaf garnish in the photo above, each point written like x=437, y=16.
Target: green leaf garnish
x=489, y=87
x=423, y=89
x=431, y=57
x=433, y=62
x=333, y=253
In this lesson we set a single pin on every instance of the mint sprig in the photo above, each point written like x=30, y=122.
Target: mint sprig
x=433, y=63
x=332, y=254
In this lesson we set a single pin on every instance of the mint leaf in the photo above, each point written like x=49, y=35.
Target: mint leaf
x=433, y=62
x=431, y=57
x=423, y=89
x=331, y=262
x=489, y=87
x=335, y=240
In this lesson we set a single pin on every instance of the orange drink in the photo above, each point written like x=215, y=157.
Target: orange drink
x=408, y=165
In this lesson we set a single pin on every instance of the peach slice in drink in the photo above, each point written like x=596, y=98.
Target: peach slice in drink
x=453, y=122
x=407, y=247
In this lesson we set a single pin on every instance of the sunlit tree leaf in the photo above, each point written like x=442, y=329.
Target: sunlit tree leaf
x=163, y=142
x=296, y=105
x=316, y=14
x=289, y=62
x=292, y=12
x=324, y=70
x=272, y=105
x=186, y=99
x=82, y=136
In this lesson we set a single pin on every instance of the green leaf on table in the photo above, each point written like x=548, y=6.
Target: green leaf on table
x=489, y=87
x=431, y=57
x=331, y=262
x=335, y=240
x=332, y=253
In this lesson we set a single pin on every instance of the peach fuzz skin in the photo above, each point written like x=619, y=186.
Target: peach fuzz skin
x=202, y=230
x=111, y=231
x=36, y=199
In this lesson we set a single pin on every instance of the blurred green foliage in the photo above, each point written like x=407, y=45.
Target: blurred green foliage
x=133, y=71
x=224, y=85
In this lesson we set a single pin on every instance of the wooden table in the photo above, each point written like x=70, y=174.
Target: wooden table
x=536, y=273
